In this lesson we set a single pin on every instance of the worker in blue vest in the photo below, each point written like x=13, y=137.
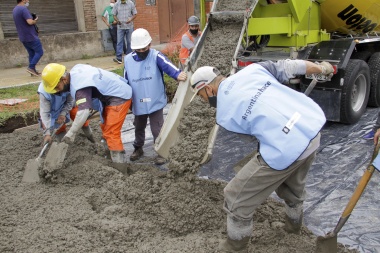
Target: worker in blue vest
x=255, y=102
x=144, y=69
x=55, y=111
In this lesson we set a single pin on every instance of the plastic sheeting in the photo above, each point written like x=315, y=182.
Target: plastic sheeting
x=341, y=160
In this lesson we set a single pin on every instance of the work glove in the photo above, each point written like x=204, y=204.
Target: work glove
x=69, y=137
x=327, y=68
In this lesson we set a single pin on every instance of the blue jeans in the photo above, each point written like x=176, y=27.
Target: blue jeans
x=121, y=34
x=35, y=52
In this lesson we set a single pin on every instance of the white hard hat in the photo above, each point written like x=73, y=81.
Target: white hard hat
x=193, y=20
x=140, y=38
x=201, y=77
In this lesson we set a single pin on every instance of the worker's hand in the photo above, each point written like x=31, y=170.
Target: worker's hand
x=327, y=68
x=376, y=136
x=182, y=76
x=69, y=137
x=47, y=139
x=61, y=119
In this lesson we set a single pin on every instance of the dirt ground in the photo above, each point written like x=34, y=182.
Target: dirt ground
x=90, y=207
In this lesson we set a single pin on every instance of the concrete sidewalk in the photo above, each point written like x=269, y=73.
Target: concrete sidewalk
x=18, y=76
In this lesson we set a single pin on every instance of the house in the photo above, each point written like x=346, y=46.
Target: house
x=73, y=29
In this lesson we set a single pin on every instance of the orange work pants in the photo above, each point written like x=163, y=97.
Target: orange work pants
x=114, y=117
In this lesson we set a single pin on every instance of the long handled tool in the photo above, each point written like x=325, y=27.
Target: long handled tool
x=31, y=169
x=329, y=242
x=57, y=153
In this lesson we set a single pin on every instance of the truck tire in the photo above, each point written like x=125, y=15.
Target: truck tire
x=355, y=91
x=374, y=69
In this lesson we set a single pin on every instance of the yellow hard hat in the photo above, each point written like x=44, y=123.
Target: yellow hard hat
x=51, y=75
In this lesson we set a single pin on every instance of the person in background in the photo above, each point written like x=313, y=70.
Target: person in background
x=144, y=69
x=124, y=12
x=286, y=123
x=55, y=111
x=189, y=39
x=28, y=35
x=98, y=89
x=371, y=134
x=108, y=19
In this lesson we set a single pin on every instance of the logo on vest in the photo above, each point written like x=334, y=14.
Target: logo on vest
x=254, y=99
x=290, y=124
x=142, y=79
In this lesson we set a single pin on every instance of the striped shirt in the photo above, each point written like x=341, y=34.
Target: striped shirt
x=124, y=12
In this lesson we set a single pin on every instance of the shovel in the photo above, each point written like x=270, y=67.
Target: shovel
x=31, y=170
x=329, y=242
x=57, y=152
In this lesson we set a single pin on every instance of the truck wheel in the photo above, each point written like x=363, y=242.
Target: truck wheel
x=355, y=91
x=374, y=68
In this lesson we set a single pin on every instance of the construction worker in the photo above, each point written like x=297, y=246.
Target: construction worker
x=286, y=123
x=55, y=111
x=189, y=39
x=98, y=89
x=144, y=69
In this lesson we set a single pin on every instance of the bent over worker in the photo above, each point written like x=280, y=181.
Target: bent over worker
x=93, y=88
x=286, y=123
x=144, y=69
x=189, y=39
x=55, y=111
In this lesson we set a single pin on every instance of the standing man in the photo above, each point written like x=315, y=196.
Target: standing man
x=27, y=33
x=124, y=13
x=144, y=69
x=286, y=123
x=56, y=110
x=93, y=88
x=189, y=39
x=108, y=19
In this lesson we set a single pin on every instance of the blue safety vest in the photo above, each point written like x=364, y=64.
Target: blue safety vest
x=284, y=121
x=56, y=104
x=107, y=83
x=147, y=84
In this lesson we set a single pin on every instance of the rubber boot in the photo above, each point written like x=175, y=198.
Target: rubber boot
x=238, y=234
x=105, y=147
x=293, y=218
x=159, y=160
x=119, y=161
x=137, y=154
x=88, y=133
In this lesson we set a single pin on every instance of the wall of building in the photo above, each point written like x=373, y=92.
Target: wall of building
x=57, y=48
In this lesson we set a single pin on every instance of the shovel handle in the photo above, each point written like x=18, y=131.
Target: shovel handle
x=358, y=191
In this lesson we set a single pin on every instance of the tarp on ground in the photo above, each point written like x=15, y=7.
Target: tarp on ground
x=340, y=162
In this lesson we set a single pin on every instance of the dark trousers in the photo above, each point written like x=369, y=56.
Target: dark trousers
x=113, y=33
x=156, y=120
x=35, y=52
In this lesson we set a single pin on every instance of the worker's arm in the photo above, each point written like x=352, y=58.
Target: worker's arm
x=83, y=99
x=68, y=105
x=131, y=19
x=106, y=21
x=187, y=43
x=165, y=65
x=283, y=70
x=31, y=21
x=45, y=108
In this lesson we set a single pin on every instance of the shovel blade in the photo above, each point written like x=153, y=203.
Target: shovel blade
x=31, y=171
x=55, y=157
x=327, y=244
